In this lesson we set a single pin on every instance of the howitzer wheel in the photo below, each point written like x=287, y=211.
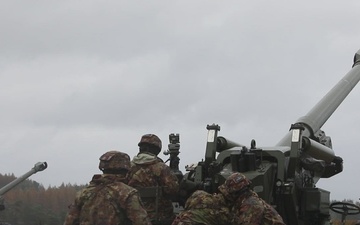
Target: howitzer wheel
x=345, y=208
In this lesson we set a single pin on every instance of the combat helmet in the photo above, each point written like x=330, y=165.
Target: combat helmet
x=114, y=161
x=235, y=184
x=152, y=141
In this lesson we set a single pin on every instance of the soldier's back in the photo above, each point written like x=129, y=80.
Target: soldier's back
x=103, y=204
x=204, y=208
x=252, y=210
x=148, y=171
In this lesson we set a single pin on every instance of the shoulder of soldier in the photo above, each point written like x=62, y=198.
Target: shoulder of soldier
x=86, y=189
x=122, y=191
x=219, y=198
x=252, y=200
x=159, y=168
x=122, y=187
x=201, y=199
x=160, y=165
x=124, y=195
x=84, y=194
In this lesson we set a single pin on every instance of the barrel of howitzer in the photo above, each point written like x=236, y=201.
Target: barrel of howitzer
x=223, y=144
x=322, y=111
x=40, y=166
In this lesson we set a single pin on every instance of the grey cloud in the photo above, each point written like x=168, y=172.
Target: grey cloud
x=79, y=78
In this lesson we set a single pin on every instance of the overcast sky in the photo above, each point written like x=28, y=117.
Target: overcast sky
x=79, y=78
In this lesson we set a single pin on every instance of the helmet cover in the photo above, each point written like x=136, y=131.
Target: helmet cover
x=114, y=160
x=150, y=139
x=234, y=183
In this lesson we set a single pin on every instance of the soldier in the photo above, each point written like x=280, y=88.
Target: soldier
x=202, y=208
x=248, y=208
x=148, y=170
x=107, y=199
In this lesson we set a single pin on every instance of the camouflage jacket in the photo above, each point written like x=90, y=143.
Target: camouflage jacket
x=148, y=170
x=204, y=208
x=250, y=209
x=107, y=200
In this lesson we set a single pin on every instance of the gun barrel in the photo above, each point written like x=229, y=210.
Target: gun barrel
x=223, y=144
x=40, y=166
x=322, y=111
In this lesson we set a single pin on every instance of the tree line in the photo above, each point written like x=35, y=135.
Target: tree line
x=29, y=203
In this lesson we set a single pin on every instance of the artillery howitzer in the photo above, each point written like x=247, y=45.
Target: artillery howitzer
x=40, y=166
x=283, y=175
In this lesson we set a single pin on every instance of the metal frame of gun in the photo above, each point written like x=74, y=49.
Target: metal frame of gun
x=283, y=175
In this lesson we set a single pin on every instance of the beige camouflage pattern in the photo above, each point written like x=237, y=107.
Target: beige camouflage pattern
x=204, y=208
x=107, y=201
x=114, y=160
x=250, y=209
x=234, y=183
x=149, y=171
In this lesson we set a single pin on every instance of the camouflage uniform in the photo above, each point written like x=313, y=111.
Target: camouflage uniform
x=150, y=171
x=107, y=199
x=203, y=208
x=122, y=197
x=248, y=208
